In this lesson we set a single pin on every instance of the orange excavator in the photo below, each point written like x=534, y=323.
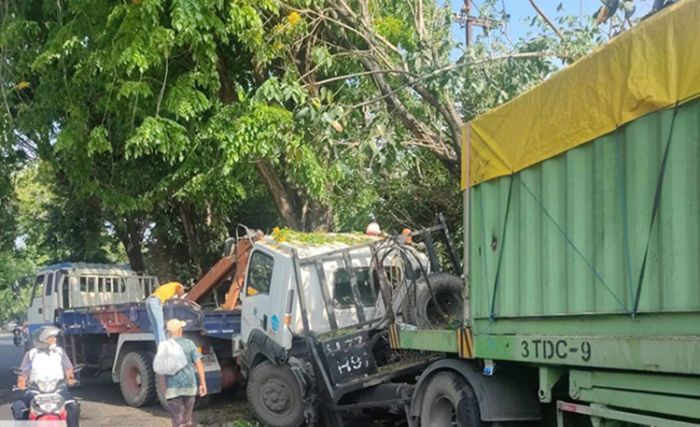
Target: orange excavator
x=231, y=268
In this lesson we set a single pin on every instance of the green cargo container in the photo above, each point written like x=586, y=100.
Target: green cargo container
x=557, y=250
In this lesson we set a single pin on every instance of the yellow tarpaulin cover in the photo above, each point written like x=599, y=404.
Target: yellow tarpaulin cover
x=650, y=67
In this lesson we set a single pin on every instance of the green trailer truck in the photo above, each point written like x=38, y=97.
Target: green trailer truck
x=582, y=217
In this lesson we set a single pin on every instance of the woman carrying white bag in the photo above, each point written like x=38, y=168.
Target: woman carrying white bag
x=176, y=359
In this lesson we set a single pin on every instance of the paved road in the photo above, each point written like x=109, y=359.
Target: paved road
x=102, y=405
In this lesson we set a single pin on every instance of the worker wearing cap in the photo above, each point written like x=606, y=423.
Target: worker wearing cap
x=46, y=361
x=154, y=307
x=181, y=388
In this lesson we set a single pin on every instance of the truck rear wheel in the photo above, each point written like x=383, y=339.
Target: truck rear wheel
x=275, y=396
x=449, y=401
x=137, y=380
x=160, y=392
x=436, y=306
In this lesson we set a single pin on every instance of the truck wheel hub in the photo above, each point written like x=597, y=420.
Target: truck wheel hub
x=443, y=412
x=276, y=395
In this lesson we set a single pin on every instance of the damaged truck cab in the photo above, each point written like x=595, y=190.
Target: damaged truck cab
x=314, y=342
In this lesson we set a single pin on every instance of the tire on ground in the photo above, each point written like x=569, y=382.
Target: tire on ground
x=274, y=393
x=449, y=400
x=438, y=309
x=137, y=379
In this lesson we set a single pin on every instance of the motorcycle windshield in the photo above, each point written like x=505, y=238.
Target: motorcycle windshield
x=47, y=385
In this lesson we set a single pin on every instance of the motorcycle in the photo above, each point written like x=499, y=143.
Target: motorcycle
x=17, y=336
x=47, y=402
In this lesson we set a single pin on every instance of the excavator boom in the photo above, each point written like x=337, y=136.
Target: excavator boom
x=233, y=266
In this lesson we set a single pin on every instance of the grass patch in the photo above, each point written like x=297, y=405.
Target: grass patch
x=282, y=235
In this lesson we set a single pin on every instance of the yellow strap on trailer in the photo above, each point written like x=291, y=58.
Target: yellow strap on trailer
x=652, y=66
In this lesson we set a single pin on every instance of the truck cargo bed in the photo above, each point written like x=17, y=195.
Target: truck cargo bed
x=132, y=318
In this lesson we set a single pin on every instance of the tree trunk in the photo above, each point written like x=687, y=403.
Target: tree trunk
x=317, y=216
x=194, y=248
x=130, y=234
x=287, y=203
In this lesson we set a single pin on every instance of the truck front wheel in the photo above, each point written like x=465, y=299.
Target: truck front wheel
x=275, y=396
x=449, y=401
x=137, y=380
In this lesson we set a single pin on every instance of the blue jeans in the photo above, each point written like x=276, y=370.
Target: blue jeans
x=154, y=309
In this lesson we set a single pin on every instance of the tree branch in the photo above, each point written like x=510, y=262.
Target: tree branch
x=397, y=107
x=162, y=87
x=546, y=19
x=453, y=67
x=362, y=73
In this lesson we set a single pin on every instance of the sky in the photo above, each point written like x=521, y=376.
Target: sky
x=521, y=12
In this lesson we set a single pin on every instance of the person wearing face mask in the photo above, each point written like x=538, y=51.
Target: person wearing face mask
x=46, y=361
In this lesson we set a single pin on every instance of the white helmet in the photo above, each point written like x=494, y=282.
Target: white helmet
x=41, y=336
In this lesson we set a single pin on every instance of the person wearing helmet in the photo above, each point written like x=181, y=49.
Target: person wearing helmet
x=46, y=361
x=154, y=307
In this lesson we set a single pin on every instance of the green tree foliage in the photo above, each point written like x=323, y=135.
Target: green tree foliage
x=161, y=124
x=14, y=303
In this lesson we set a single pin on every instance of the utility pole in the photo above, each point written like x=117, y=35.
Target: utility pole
x=467, y=21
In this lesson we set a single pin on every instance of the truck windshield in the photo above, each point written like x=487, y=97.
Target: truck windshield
x=342, y=290
x=38, y=287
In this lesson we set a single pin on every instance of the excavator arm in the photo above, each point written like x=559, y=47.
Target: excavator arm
x=231, y=267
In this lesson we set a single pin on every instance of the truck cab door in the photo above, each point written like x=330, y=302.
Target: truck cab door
x=50, y=299
x=256, y=313
x=62, y=290
x=35, y=312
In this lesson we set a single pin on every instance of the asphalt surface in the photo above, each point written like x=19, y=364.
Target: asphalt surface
x=102, y=405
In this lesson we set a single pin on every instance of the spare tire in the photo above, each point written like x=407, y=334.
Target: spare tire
x=437, y=306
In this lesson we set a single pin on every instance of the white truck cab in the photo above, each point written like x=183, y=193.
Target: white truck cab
x=316, y=311
x=337, y=279
x=71, y=285
x=270, y=287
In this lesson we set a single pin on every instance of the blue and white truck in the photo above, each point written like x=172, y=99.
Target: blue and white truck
x=101, y=311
